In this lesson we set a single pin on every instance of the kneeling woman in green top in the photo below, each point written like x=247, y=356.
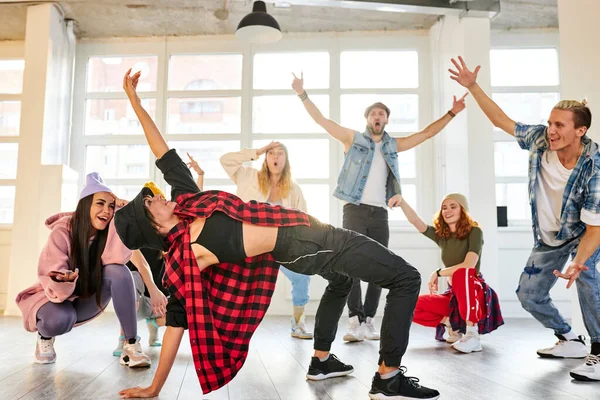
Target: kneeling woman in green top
x=469, y=307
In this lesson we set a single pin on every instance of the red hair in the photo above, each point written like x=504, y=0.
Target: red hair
x=463, y=226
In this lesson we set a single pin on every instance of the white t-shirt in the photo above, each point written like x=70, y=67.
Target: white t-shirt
x=374, y=192
x=550, y=188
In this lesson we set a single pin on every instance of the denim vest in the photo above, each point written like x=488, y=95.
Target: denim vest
x=357, y=163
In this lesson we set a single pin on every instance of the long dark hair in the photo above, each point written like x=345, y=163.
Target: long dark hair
x=85, y=255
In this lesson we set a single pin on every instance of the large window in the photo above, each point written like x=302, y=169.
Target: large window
x=111, y=135
x=361, y=89
x=209, y=99
x=525, y=84
x=11, y=83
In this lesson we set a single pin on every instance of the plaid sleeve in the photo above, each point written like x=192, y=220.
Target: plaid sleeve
x=590, y=213
x=527, y=134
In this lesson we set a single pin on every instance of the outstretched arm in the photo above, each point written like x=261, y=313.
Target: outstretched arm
x=168, y=353
x=468, y=79
x=412, y=217
x=407, y=143
x=155, y=140
x=344, y=135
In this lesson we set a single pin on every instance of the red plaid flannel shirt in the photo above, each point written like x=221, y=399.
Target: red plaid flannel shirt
x=490, y=322
x=225, y=302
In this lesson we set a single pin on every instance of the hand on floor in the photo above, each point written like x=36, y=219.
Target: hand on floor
x=137, y=393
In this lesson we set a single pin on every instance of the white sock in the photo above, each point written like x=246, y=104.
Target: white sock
x=390, y=374
x=570, y=335
x=324, y=358
x=473, y=330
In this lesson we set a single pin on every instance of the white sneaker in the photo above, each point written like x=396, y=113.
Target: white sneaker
x=469, y=343
x=453, y=336
x=300, y=330
x=44, y=351
x=369, y=329
x=355, y=332
x=574, y=348
x=133, y=356
x=589, y=371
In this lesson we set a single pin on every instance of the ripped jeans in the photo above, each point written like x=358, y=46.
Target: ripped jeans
x=537, y=279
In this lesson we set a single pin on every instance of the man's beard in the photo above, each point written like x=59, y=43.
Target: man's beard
x=374, y=132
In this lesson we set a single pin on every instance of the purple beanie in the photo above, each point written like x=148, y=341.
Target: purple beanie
x=94, y=184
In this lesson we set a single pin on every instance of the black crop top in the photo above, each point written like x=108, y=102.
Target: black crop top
x=223, y=237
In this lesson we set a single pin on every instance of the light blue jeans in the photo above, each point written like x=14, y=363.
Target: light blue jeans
x=299, y=286
x=537, y=279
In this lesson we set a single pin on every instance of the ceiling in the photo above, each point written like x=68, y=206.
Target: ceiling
x=134, y=18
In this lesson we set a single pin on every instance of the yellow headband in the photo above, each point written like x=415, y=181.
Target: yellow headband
x=155, y=189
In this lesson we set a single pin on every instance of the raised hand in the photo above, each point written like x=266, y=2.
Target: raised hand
x=458, y=105
x=462, y=75
x=194, y=165
x=298, y=84
x=130, y=83
x=121, y=203
x=572, y=273
x=266, y=148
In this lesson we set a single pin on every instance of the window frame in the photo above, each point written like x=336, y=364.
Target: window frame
x=333, y=44
x=522, y=41
x=11, y=51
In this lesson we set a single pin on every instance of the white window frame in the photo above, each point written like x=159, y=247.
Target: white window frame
x=11, y=51
x=522, y=40
x=334, y=44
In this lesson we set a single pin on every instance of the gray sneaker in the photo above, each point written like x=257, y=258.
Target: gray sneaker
x=300, y=330
x=44, y=351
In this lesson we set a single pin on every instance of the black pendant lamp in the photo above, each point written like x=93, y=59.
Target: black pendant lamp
x=258, y=26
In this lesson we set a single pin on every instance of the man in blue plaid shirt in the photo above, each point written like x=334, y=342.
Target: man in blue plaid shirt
x=564, y=192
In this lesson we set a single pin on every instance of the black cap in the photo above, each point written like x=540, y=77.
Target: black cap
x=133, y=226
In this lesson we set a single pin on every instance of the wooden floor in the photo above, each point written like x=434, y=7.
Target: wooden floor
x=507, y=369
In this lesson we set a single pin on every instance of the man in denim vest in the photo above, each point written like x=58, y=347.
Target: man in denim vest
x=564, y=192
x=369, y=181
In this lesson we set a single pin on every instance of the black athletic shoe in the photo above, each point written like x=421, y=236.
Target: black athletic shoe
x=400, y=387
x=329, y=368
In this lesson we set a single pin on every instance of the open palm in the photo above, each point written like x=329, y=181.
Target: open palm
x=462, y=74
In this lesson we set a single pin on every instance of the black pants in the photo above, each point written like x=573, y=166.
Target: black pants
x=372, y=222
x=339, y=255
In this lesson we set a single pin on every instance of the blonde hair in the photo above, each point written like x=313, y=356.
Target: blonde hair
x=285, y=183
x=582, y=116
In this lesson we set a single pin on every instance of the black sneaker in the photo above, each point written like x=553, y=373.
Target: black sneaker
x=400, y=387
x=329, y=368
